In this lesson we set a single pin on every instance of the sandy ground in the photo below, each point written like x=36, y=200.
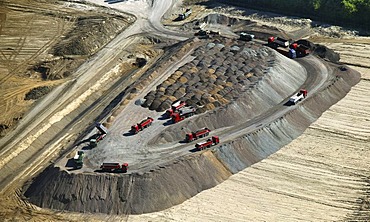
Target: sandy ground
x=102, y=65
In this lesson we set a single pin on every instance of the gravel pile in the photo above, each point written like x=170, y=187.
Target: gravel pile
x=221, y=71
x=37, y=92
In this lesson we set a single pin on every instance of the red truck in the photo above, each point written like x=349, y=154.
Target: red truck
x=206, y=144
x=301, y=50
x=275, y=42
x=183, y=113
x=142, y=125
x=198, y=134
x=114, y=167
x=174, y=107
x=298, y=97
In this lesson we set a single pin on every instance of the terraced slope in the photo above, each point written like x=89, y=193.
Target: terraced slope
x=321, y=176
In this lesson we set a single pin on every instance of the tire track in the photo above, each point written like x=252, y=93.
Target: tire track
x=56, y=36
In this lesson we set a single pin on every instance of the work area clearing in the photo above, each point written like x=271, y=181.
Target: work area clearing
x=247, y=135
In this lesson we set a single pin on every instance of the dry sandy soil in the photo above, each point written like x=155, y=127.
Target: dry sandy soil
x=42, y=44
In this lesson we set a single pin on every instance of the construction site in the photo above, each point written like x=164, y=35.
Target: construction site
x=161, y=110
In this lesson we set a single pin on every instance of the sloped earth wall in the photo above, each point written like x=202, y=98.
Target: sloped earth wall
x=177, y=181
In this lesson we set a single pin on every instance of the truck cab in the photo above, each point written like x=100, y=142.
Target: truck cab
x=298, y=97
x=78, y=159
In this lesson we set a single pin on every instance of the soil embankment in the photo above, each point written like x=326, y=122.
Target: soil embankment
x=177, y=181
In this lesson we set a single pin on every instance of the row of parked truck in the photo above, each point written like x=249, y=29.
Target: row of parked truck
x=180, y=111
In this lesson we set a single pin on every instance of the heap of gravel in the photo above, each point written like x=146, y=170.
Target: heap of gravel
x=321, y=50
x=37, y=92
x=220, y=71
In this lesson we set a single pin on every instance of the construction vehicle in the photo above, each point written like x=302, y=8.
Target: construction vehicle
x=94, y=141
x=100, y=136
x=142, y=125
x=198, y=134
x=185, y=15
x=78, y=159
x=202, y=34
x=277, y=42
x=174, y=107
x=298, y=97
x=182, y=113
x=114, y=167
x=101, y=128
x=301, y=50
x=274, y=42
x=246, y=37
x=207, y=144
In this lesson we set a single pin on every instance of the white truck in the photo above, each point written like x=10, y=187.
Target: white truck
x=246, y=37
x=298, y=97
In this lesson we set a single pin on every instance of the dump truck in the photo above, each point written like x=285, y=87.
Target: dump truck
x=101, y=128
x=203, y=34
x=142, y=125
x=114, y=167
x=198, y=134
x=277, y=41
x=174, y=107
x=301, y=50
x=206, y=144
x=78, y=159
x=298, y=97
x=185, y=15
x=182, y=113
x=246, y=37
x=99, y=136
x=94, y=141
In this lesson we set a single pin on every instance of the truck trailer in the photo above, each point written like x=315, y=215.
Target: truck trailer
x=298, y=97
x=142, y=125
x=207, y=144
x=185, y=15
x=301, y=50
x=182, y=113
x=275, y=42
x=198, y=134
x=175, y=107
x=114, y=167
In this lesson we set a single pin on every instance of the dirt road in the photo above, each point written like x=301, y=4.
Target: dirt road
x=134, y=149
x=321, y=176
x=42, y=122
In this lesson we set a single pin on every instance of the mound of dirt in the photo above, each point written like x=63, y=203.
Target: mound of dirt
x=265, y=91
x=321, y=50
x=326, y=53
x=220, y=71
x=224, y=20
x=59, y=68
x=37, y=92
x=171, y=184
x=89, y=35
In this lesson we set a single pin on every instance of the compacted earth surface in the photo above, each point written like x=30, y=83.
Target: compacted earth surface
x=263, y=166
